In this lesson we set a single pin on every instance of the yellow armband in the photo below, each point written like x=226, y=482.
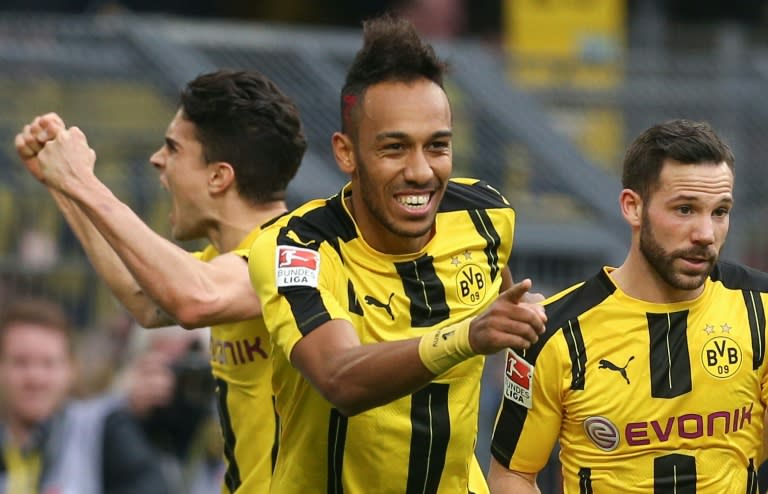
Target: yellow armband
x=442, y=349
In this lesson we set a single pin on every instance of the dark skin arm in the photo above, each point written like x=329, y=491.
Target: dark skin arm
x=356, y=377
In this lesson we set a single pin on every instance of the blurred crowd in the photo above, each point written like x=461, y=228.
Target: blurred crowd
x=139, y=403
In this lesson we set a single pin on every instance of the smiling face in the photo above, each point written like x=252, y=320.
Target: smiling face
x=399, y=163
x=184, y=173
x=685, y=222
x=36, y=371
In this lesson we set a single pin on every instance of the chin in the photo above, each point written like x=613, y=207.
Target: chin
x=36, y=416
x=690, y=282
x=414, y=232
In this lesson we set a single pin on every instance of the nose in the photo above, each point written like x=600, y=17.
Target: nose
x=418, y=169
x=704, y=231
x=158, y=159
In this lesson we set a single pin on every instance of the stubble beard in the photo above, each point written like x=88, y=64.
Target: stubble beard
x=663, y=262
x=378, y=211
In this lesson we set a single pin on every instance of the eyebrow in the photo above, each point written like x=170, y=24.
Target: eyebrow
x=692, y=198
x=396, y=134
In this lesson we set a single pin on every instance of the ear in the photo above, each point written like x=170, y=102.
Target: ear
x=631, y=207
x=221, y=176
x=343, y=151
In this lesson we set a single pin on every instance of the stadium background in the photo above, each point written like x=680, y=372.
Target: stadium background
x=546, y=95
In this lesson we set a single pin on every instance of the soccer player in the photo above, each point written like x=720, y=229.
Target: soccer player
x=369, y=296
x=229, y=153
x=651, y=375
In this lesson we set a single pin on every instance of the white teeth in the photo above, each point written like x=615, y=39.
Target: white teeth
x=414, y=200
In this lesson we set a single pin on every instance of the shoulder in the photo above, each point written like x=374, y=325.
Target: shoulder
x=310, y=225
x=739, y=277
x=568, y=305
x=470, y=193
x=577, y=299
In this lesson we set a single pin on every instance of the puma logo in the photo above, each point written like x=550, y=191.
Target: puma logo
x=292, y=235
x=372, y=301
x=607, y=364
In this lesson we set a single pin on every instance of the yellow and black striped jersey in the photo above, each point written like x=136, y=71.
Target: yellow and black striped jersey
x=313, y=266
x=643, y=397
x=243, y=373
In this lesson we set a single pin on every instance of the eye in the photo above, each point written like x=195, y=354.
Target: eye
x=170, y=146
x=721, y=212
x=440, y=145
x=685, y=209
x=394, y=146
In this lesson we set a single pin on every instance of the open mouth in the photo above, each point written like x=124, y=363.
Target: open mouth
x=414, y=201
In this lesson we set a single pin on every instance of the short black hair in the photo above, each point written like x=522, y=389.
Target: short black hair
x=392, y=51
x=242, y=118
x=685, y=141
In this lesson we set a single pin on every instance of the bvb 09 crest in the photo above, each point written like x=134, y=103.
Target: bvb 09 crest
x=721, y=356
x=471, y=284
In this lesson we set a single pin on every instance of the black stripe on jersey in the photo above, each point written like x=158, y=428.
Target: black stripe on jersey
x=424, y=290
x=478, y=195
x=585, y=480
x=507, y=432
x=324, y=224
x=670, y=360
x=430, y=433
x=752, y=479
x=756, y=314
x=232, y=475
x=570, y=306
x=576, y=351
x=276, y=443
x=327, y=223
x=674, y=473
x=485, y=228
x=307, y=307
x=337, y=438
x=353, y=301
x=738, y=276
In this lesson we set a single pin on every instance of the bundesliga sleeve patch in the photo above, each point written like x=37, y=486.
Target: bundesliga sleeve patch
x=296, y=266
x=518, y=380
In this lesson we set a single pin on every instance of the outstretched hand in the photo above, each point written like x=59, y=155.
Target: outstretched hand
x=511, y=321
x=33, y=137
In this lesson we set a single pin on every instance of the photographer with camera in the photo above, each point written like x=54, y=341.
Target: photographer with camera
x=169, y=388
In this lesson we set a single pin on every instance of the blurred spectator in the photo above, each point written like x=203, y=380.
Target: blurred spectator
x=170, y=389
x=435, y=18
x=50, y=442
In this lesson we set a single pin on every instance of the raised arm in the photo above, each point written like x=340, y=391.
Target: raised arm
x=149, y=274
x=356, y=377
x=29, y=142
x=110, y=267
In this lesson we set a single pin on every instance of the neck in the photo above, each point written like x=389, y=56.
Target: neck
x=18, y=432
x=236, y=224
